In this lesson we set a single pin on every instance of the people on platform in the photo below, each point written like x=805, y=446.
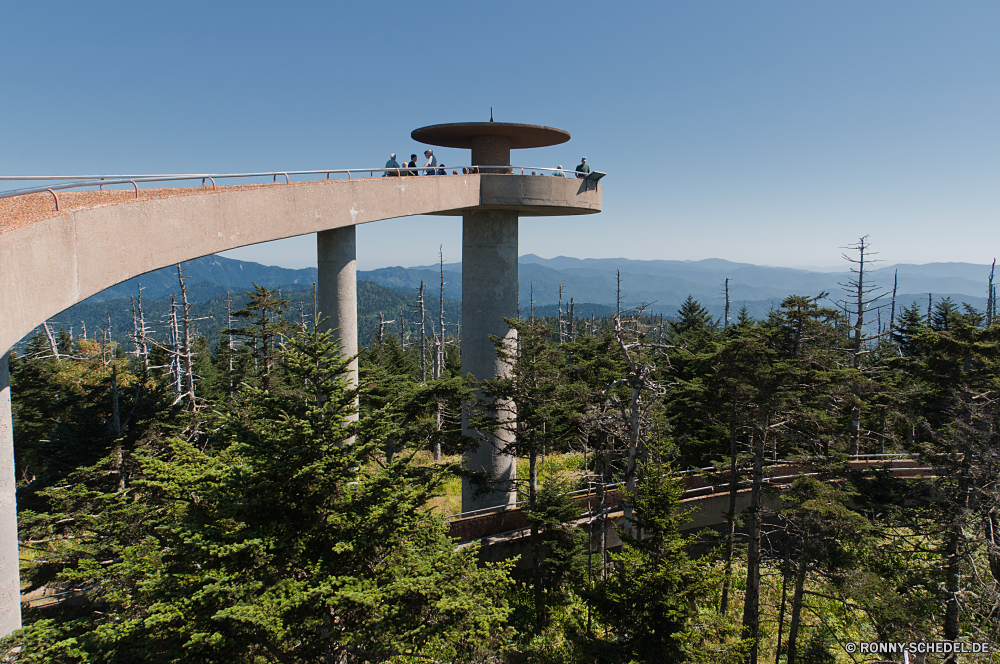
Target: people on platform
x=559, y=172
x=583, y=170
x=392, y=163
x=431, y=161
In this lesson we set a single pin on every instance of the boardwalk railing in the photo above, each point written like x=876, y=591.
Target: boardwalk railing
x=79, y=181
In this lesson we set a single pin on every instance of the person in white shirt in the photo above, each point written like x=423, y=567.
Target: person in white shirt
x=432, y=162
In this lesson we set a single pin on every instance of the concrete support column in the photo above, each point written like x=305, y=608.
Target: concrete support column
x=10, y=578
x=489, y=294
x=491, y=151
x=337, y=287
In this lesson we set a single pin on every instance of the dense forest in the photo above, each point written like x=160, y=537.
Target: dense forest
x=238, y=500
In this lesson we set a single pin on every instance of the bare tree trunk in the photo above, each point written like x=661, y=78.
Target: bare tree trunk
x=751, y=604
x=381, y=327
x=602, y=499
x=187, y=354
x=439, y=359
x=402, y=331
x=116, y=424
x=52, y=342
x=142, y=329
x=536, y=554
x=531, y=300
x=856, y=348
x=572, y=325
x=559, y=319
x=952, y=584
x=781, y=611
x=892, y=310
x=135, y=329
x=423, y=341
x=618, y=294
x=633, y=450
x=175, y=353
x=793, y=629
x=106, y=342
x=989, y=296
x=229, y=341
x=726, y=322
x=731, y=515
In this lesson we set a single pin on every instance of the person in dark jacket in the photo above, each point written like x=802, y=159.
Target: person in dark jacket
x=412, y=165
x=583, y=170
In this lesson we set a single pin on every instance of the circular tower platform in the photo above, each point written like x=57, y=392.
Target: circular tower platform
x=490, y=142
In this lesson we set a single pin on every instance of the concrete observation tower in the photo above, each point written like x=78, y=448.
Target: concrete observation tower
x=489, y=271
x=59, y=247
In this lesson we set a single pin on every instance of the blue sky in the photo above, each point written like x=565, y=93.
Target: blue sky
x=763, y=132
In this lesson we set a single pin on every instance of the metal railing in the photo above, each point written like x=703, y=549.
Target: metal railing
x=78, y=181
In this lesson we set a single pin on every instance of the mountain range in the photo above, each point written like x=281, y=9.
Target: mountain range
x=592, y=283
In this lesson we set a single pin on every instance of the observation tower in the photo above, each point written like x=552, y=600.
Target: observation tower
x=489, y=270
x=72, y=237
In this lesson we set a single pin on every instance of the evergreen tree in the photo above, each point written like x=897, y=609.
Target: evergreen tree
x=542, y=410
x=269, y=539
x=651, y=599
x=259, y=338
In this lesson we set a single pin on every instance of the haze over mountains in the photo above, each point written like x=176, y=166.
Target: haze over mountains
x=591, y=282
x=667, y=283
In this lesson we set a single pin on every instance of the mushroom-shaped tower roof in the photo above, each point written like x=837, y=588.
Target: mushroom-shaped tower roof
x=460, y=134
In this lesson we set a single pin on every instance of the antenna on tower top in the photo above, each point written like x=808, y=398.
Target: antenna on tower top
x=491, y=114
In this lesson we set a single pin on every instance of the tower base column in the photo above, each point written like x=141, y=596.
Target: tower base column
x=337, y=288
x=489, y=294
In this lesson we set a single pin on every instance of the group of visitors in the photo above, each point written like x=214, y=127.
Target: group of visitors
x=582, y=170
x=431, y=167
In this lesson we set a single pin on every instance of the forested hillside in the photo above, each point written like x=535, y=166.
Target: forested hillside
x=179, y=502
x=210, y=314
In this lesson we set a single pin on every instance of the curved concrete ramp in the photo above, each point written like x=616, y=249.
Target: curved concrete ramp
x=504, y=534
x=51, y=260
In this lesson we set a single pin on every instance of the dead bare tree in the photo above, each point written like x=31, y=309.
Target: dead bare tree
x=559, y=316
x=52, y=341
x=423, y=338
x=382, y=323
x=106, y=342
x=990, y=296
x=229, y=337
x=439, y=349
x=570, y=326
x=186, y=350
x=892, y=310
x=864, y=296
x=635, y=411
x=531, y=300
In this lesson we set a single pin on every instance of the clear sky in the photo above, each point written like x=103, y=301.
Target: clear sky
x=763, y=132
